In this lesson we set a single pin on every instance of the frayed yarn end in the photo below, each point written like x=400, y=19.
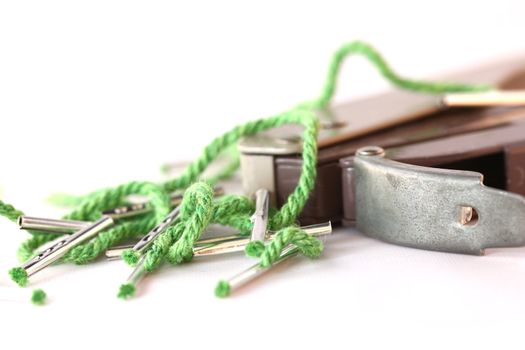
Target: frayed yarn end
x=19, y=275
x=131, y=257
x=254, y=249
x=38, y=297
x=222, y=290
x=126, y=291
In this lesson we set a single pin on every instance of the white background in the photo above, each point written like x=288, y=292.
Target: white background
x=101, y=92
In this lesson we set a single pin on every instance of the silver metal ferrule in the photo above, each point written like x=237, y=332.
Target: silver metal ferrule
x=260, y=216
x=138, y=273
x=51, y=225
x=238, y=245
x=485, y=99
x=176, y=197
x=71, y=226
x=148, y=239
x=52, y=254
x=115, y=253
x=256, y=270
x=127, y=211
x=136, y=209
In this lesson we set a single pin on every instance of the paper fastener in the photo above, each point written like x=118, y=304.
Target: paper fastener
x=239, y=245
x=69, y=226
x=55, y=252
x=146, y=241
x=261, y=214
x=51, y=225
x=256, y=270
x=316, y=230
x=141, y=208
x=227, y=244
x=115, y=253
x=434, y=209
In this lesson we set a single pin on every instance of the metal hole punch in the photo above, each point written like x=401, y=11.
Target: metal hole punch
x=70, y=226
x=58, y=250
x=433, y=209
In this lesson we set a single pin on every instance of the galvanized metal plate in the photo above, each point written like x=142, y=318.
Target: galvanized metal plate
x=429, y=208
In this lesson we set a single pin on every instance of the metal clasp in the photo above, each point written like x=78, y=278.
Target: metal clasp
x=434, y=209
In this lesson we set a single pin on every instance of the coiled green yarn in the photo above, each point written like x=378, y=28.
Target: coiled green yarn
x=198, y=208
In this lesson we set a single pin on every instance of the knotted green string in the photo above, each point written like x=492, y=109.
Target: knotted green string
x=198, y=209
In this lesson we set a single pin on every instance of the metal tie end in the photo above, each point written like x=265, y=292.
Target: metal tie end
x=58, y=250
x=261, y=214
x=51, y=225
x=71, y=226
x=238, y=245
x=148, y=239
x=128, y=289
x=484, y=99
x=231, y=285
x=131, y=210
x=115, y=253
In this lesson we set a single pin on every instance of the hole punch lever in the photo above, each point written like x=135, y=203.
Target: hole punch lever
x=418, y=207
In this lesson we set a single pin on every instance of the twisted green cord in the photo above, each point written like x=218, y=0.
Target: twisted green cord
x=366, y=50
x=309, y=247
x=10, y=212
x=197, y=212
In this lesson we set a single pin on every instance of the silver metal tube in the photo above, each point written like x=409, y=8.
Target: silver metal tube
x=70, y=226
x=52, y=254
x=115, y=253
x=261, y=214
x=127, y=211
x=256, y=270
x=240, y=244
x=148, y=239
x=227, y=244
x=51, y=225
x=485, y=99
x=138, y=273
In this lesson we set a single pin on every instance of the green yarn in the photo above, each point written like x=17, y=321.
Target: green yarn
x=308, y=246
x=366, y=50
x=63, y=200
x=10, y=212
x=223, y=289
x=130, y=257
x=38, y=297
x=198, y=207
x=19, y=275
x=254, y=249
x=126, y=291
